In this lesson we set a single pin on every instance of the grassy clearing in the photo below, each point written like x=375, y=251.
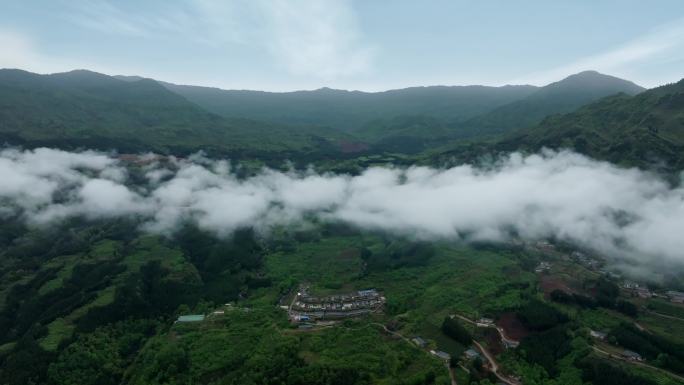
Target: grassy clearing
x=664, y=307
x=656, y=375
x=457, y=279
x=330, y=265
x=58, y=330
x=105, y=250
x=667, y=327
x=601, y=318
x=67, y=264
x=150, y=248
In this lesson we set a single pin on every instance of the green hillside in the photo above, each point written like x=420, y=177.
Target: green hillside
x=87, y=109
x=405, y=134
x=412, y=134
x=352, y=110
x=643, y=130
x=646, y=130
x=560, y=97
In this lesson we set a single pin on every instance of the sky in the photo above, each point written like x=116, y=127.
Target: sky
x=371, y=45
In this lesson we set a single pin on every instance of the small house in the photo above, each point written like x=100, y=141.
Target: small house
x=443, y=355
x=510, y=344
x=630, y=355
x=368, y=293
x=643, y=292
x=191, y=318
x=471, y=354
x=484, y=322
x=597, y=334
x=419, y=341
x=675, y=296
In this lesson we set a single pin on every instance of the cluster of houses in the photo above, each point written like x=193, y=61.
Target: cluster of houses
x=307, y=307
x=637, y=289
x=675, y=296
x=545, y=246
x=642, y=291
x=586, y=261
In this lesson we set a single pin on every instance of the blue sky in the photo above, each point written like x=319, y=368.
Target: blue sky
x=349, y=44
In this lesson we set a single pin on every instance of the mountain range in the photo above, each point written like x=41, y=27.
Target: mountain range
x=646, y=129
x=601, y=115
x=87, y=109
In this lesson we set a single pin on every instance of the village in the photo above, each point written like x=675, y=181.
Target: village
x=306, y=308
x=597, y=265
x=308, y=311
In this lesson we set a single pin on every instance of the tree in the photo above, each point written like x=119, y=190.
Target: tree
x=454, y=329
x=539, y=316
x=627, y=308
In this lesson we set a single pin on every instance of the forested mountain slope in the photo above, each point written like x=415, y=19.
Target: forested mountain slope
x=645, y=130
x=637, y=130
x=83, y=108
x=559, y=97
x=351, y=110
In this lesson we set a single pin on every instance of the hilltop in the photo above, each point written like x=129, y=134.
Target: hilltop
x=641, y=130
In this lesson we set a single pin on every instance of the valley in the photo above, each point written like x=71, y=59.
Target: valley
x=341, y=193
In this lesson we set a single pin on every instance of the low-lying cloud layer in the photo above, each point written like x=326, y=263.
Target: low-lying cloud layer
x=619, y=212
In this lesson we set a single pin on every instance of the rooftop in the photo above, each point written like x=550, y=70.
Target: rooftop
x=631, y=354
x=191, y=318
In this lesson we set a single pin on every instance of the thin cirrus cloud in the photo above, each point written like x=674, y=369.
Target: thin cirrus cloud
x=320, y=39
x=660, y=45
x=17, y=50
x=626, y=214
x=20, y=51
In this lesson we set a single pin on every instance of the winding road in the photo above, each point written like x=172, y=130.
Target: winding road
x=494, y=367
x=449, y=369
x=616, y=357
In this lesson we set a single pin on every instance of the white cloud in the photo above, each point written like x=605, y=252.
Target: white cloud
x=619, y=212
x=313, y=38
x=659, y=46
x=17, y=51
x=320, y=38
x=21, y=51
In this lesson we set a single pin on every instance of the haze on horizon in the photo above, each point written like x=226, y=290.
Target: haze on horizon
x=348, y=44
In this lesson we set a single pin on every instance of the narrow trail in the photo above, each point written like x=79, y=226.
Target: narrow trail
x=664, y=315
x=499, y=329
x=494, y=367
x=452, y=376
x=637, y=363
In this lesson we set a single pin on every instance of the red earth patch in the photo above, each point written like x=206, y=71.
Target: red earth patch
x=513, y=328
x=347, y=146
x=550, y=283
